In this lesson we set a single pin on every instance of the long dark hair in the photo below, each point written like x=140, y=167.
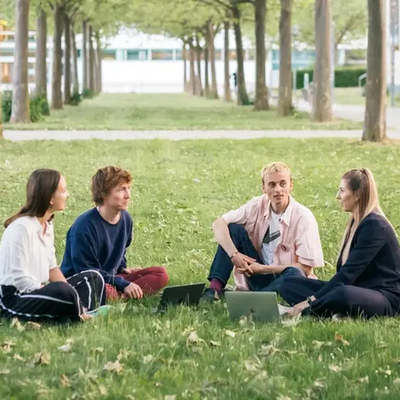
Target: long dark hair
x=41, y=186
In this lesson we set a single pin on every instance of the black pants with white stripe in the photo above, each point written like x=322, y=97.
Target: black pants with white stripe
x=56, y=301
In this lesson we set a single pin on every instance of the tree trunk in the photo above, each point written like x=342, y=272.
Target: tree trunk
x=261, y=100
x=84, y=57
x=20, y=99
x=91, y=60
x=227, y=81
x=74, y=56
x=211, y=46
x=184, y=59
x=375, y=105
x=206, y=70
x=41, y=54
x=285, y=65
x=56, y=97
x=99, y=60
x=322, y=108
x=242, y=98
x=67, y=60
x=192, y=70
x=198, y=53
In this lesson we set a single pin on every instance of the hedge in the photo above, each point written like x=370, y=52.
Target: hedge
x=343, y=77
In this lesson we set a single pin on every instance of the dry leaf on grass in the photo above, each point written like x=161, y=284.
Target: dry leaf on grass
x=99, y=350
x=363, y=380
x=4, y=371
x=335, y=368
x=148, y=359
x=283, y=398
x=230, y=333
x=268, y=350
x=193, y=338
x=319, y=384
x=215, y=343
x=396, y=381
x=113, y=367
x=6, y=347
x=253, y=365
x=33, y=325
x=293, y=321
x=17, y=325
x=339, y=338
x=42, y=359
x=382, y=371
x=103, y=390
x=18, y=357
x=65, y=348
x=170, y=397
x=65, y=381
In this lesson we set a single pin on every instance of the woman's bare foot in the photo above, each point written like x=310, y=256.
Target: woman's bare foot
x=86, y=317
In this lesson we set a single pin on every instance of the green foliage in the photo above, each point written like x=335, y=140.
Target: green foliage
x=6, y=105
x=173, y=213
x=87, y=93
x=37, y=105
x=76, y=99
x=344, y=77
x=117, y=111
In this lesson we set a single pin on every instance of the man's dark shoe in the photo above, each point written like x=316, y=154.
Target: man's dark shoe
x=209, y=296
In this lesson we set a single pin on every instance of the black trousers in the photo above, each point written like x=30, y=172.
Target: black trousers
x=55, y=301
x=342, y=299
x=222, y=266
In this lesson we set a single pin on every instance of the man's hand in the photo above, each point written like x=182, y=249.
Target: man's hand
x=133, y=291
x=242, y=263
x=298, y=308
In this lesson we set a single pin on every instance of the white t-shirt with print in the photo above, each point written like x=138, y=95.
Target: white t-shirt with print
x=271, y=239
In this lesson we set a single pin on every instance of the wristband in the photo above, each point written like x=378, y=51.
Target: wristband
x=234, y=254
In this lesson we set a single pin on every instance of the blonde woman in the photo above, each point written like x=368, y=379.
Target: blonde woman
x=368, y=268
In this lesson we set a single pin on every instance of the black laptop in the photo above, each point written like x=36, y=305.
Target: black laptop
x=188, y=295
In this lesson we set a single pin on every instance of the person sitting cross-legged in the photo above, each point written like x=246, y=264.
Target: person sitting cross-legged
x=98, y=240
x=267, y=239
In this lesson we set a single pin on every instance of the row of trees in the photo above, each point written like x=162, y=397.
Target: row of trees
x=196, y=22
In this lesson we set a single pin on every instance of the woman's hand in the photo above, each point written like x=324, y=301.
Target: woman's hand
x=298, y=308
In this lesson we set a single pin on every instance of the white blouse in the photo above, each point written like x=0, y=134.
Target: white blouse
x=26, y=254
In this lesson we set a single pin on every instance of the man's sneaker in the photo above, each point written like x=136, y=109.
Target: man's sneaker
x=209, y=295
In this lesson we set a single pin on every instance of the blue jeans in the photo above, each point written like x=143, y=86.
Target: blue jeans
x=222, y=266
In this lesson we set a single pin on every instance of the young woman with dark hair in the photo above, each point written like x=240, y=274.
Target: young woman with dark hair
x=32, y=286
x=368, y=268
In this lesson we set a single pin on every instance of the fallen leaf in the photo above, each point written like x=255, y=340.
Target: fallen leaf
x=123, y=354
x=268, y=350
x=193, y=338
x=382, y=345
x=319, y=384
x=396, y=381
x=253, y=365
x=387, y=372
x=170, y=397
x=363, y=380
x=18, y=357
x=339, y=338
x=17, y=325
x=291, y=321
x=317, y=343
x=33, y=325
x=99, y=350
x=215, y=343
x=103, y=390
x=4, y=371
x=283, y=398
x=65, y=381
x=230, y=333
x=65, y=348
x=148, y=359
x=113, y=366
x=320, y=358
x=42, y=359
x=335, y=368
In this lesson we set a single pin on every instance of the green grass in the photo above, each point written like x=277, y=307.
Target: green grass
x=171, y=112
x=173, y=214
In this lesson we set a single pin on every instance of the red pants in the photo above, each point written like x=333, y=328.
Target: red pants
x=150, y=280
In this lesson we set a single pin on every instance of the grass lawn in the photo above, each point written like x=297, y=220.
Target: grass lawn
x=171, y=112
x=179, y=189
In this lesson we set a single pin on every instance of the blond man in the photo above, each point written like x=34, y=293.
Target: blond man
x=267, y=239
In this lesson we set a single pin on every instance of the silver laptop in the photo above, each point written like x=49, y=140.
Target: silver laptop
x=261, y=306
